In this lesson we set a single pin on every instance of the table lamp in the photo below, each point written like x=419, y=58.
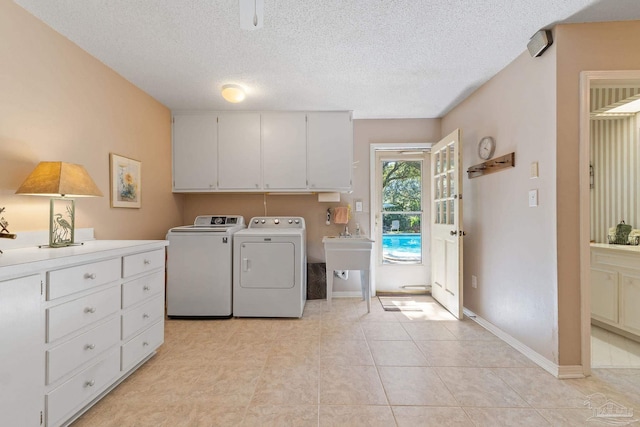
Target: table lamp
x=60, y=181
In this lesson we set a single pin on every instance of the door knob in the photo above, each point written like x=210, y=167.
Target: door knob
x=453, y=232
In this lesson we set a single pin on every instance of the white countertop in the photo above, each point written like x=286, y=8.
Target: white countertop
x=621, y=248
x=21, y=262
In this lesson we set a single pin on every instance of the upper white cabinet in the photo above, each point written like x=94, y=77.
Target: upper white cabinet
x=329, y=161
x=195, y=148
x=262, y=151
x=239, y=151
x=284, y=145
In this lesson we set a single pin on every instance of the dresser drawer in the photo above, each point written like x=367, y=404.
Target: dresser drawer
x=140, y=289
x=140, y=263
x=75, y=279
x=65, y=357
x=73, y=315
x=63, y=401
x=142, y=345
x=141, y=317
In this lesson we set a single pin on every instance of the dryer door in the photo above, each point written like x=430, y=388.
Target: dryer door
x=267, y=265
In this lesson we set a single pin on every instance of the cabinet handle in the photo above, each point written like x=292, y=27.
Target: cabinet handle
x=146, y=288
x=145, y=316
x=90, y=383
x=144, y=344
x=90, y=310
x=89, y=346
x=147, y=262
x=91, y=276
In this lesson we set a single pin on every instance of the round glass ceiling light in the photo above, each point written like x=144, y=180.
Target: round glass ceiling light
x=233, y=93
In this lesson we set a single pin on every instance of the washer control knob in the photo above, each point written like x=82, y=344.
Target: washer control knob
x=276, y=221
x=290, y=221
x=297, y=221
x=262, y=221
x=255, y=221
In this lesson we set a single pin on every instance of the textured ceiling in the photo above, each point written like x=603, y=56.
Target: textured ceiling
x=379, y=58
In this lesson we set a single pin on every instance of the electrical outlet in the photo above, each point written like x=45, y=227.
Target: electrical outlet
x=533, y=198
x=474, y=282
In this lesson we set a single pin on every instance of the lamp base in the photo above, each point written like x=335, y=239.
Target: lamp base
x=61, y=222
x=70, y=244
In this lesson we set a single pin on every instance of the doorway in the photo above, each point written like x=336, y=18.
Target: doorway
x=609, y=158
x=400, y=192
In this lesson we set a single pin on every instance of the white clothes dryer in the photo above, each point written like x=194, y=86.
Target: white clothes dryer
x=270, y=268
x=199, y=267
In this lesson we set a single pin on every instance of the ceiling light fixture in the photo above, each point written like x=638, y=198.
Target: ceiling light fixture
x=251, y=14
x=233, y=93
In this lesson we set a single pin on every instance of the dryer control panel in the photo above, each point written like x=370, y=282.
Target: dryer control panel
x=277, y=222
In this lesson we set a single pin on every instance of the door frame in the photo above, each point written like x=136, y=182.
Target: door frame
x=586, y=78
x=398, y=146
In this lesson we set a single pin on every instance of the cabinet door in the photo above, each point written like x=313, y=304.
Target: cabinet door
x=239, y=166
x=284, y=150
x=329, y=150
x=604, y=295
x=21, y=352
x=630, y=303
x=195, y=146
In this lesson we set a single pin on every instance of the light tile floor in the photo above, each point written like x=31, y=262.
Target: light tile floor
x=610, y=350
x=345, y=367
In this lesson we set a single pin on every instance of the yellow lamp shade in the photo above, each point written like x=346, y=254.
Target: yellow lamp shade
x=59, y=178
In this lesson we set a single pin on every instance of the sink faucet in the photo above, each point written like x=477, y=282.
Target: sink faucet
x=346, y=232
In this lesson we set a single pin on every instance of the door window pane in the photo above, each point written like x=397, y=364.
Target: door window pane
x=401, y=211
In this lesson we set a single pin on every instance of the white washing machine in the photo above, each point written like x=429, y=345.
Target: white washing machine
x=199, y=267
x=270, y=268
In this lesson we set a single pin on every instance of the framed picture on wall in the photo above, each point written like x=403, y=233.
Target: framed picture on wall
x=126, y=183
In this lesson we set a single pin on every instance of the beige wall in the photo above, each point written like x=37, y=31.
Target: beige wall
x=59, y=103
x=509, y=246
x=527, y=259
x=580, y=47
x=365, y=132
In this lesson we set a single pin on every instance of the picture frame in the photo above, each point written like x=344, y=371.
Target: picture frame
x=126, y=181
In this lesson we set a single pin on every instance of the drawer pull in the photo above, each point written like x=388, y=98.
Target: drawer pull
x=89, y=346
x=144, y=344
x=146, y=288
x=90, y=383
x=90, y=310
x=147, y=262
x=145, y=316
x=91, y=276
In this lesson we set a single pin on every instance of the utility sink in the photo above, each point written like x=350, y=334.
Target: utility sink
x=348, y=253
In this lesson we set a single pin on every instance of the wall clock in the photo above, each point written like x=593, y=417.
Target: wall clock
x=486, y=147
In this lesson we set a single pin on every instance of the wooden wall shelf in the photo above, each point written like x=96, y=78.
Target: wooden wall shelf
x=493, y=165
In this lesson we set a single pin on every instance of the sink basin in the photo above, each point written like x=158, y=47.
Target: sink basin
x=346, y=239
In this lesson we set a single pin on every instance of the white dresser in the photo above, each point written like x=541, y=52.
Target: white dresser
x=615, y=287
x=74, y=322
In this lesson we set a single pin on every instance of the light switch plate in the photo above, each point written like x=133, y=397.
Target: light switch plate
x=534, y=170
x=358, y=205
x=533, y=198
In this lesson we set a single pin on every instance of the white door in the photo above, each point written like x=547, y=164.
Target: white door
x=402, y=220
x=446, y=227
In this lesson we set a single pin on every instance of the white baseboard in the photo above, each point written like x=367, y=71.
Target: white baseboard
x=563, y=372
